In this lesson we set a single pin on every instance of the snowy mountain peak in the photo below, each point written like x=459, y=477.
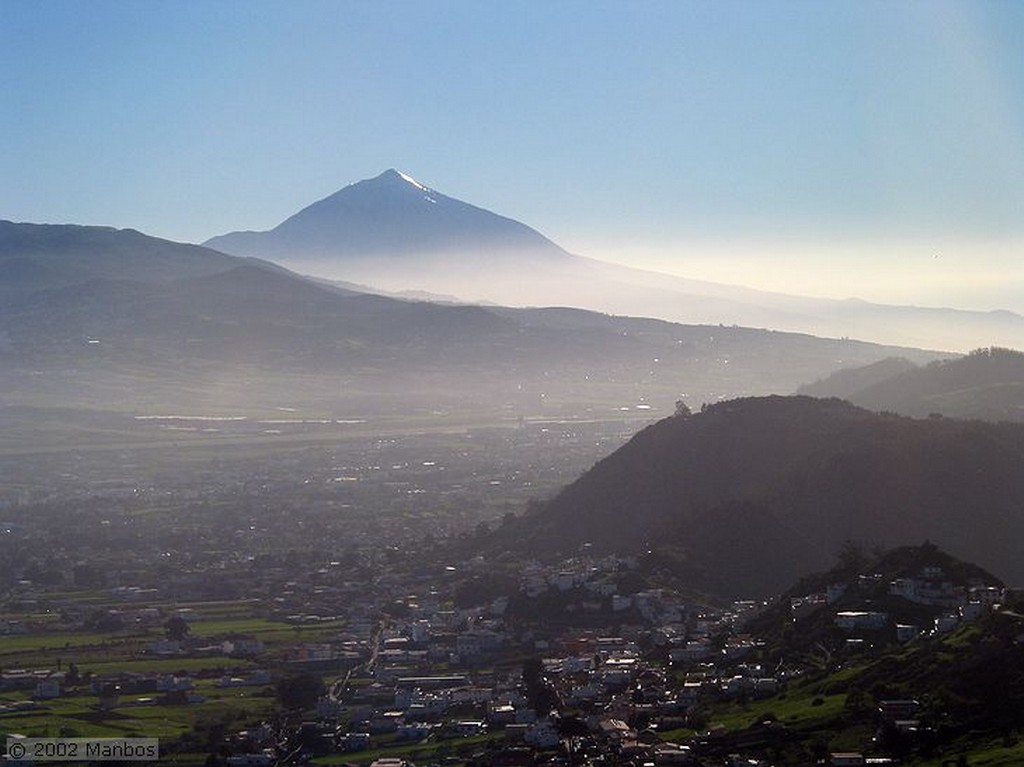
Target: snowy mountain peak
x=390, y=214
x=410, y=180
x=395, y=177
x=396, y=180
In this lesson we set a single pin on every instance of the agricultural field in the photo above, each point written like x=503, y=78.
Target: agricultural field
x=121, y=683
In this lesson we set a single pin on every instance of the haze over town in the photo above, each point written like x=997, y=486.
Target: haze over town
x=571, y=383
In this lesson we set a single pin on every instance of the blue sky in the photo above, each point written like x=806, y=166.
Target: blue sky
x=836, y=148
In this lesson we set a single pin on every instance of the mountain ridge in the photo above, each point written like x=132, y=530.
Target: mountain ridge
x=396, y=234
x=34, y=255
x=987, y=383
x=223, y=328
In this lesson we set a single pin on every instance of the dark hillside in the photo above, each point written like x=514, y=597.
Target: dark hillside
x=936, y=677
x=848, y=382
x=749, y=494
x=862, y=580
x=987, y=384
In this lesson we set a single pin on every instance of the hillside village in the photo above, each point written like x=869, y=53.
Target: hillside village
x=524, y=663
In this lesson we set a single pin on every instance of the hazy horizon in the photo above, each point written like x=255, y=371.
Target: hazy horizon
x=851, y=149
x=930, y=273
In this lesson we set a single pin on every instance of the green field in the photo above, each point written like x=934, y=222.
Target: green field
x=432, y=750
x=77, y=713
x=78, y=717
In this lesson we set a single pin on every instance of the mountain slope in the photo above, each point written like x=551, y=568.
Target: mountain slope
x=846, y=382
x=103, y=301
x=37, y=256
x=747, y=495
x=398, y=235
x=391, y=215
x=987, y=384
x=966, y=682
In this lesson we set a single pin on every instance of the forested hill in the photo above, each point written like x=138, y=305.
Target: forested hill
x=987, y=383
x=748, y=495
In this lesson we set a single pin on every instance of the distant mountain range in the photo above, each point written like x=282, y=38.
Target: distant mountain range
x=986, y=384
x=748, y=495
x=117, y=318
x=46, y=256
x=396, y=234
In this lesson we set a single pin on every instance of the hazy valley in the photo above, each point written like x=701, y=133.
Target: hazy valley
x=588, y=383
x=271, y=497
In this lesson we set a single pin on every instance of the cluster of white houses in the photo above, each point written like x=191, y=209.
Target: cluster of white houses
x=931, y=588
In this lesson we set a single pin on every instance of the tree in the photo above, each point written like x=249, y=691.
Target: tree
x=542, y=697
x=533, y=669
x=852, y=555
x=104, y=620
x=682, y=409
x=177, y=628
x=572, y=727
x=300, y=691
x=545, y=700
